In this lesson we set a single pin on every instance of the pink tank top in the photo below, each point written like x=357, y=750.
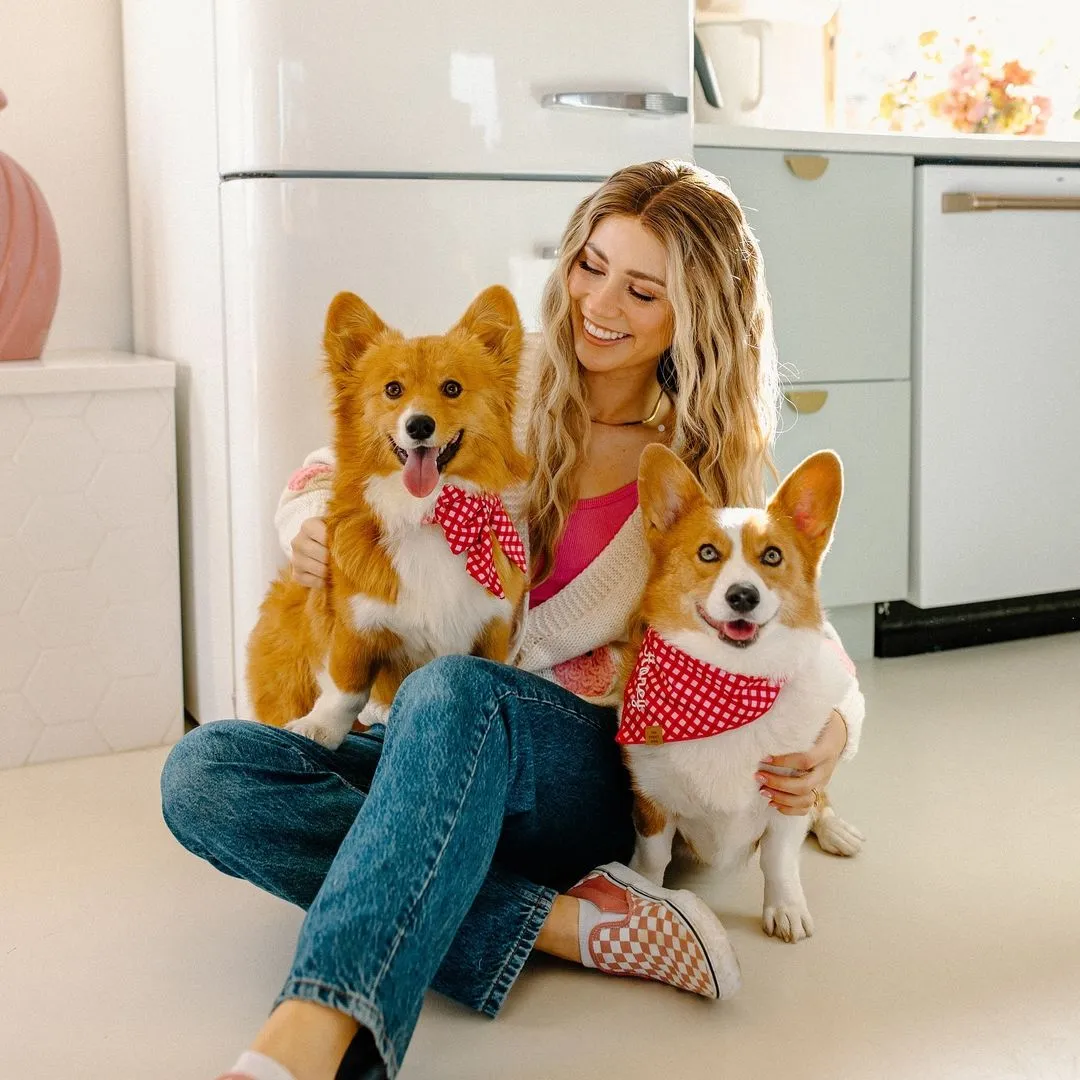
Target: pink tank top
x=592, y=525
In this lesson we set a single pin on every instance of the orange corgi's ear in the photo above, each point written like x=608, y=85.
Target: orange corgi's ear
x=351, y=327
x=667, y=489
x=493, y=318
x=809, y=498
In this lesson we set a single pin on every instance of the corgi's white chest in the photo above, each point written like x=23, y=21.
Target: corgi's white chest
x=716, y=774
x=708, y=784
x=440, y=609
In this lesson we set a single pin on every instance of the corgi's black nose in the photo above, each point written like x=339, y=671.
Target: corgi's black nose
x=742, y=598
x=420, y=427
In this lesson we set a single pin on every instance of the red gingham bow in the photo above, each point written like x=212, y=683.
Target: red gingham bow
x=671, y=697
x=468, y=521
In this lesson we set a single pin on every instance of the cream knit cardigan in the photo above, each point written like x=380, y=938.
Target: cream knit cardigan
x=591, y=612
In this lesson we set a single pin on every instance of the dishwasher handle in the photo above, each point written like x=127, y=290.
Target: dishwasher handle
x=965, y=202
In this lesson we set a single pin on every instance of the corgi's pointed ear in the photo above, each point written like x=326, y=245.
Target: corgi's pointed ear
x=666, y=490
x=493, y=318
x=810, y=497
x=351, y=327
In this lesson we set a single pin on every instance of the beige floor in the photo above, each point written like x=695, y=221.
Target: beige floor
x=949, y=949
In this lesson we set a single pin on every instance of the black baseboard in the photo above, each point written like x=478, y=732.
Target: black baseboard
x=901, y=629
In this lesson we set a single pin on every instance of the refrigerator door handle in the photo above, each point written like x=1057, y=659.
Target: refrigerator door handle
x=632, y=101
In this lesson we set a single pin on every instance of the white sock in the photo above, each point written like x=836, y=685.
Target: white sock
x=590, y=916
x=260, y=1067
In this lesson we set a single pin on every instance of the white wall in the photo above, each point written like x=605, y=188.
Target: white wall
x=61, y=68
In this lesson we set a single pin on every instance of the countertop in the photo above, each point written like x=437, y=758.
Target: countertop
x=958, y=148
x=81, y=370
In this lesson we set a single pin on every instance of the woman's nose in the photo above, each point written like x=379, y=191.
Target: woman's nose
x=604, y=300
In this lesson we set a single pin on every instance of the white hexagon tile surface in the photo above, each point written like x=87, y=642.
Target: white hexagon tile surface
x=90, y=657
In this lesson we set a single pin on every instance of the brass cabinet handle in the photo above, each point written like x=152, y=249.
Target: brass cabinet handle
x=965, y=202
x=806, y=401
x=807, y=166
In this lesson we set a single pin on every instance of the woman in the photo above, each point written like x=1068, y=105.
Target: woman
x=430, y=852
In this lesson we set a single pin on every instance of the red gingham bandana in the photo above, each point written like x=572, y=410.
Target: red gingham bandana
x=468, y=522
x=672, y=697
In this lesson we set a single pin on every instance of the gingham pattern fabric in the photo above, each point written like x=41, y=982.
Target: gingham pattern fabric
x=468, y=521
x=651, y=941
x=671, y=696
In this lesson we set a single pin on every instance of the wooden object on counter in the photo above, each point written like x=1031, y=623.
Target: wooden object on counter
x=829, y=33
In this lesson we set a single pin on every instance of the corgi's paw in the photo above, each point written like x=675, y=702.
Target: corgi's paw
x=324, y=732
x=791, y=922
x=374, y=712
x=837, y=836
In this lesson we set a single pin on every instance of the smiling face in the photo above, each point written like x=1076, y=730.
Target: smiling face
x=724, y=579
x=621, y=315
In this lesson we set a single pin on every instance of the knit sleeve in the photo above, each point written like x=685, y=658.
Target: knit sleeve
x=852, y=706
x=306, y=495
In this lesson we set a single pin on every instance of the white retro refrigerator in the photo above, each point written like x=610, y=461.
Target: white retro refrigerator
x=283, y=150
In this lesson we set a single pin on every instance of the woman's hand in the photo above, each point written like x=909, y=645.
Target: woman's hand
x=310, y=559
x=795, y=794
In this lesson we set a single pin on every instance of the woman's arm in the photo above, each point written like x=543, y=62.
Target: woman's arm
x=299, y=517
x=838, y=741
x=852, y=707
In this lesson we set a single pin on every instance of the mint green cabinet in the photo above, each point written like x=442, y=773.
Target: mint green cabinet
x=836, y=233
x=838, y=256
x=868, y=425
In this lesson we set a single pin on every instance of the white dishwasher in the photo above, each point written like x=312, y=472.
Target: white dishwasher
x=995, y=383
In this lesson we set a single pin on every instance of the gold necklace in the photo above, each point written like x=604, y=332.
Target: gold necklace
x=650, y=421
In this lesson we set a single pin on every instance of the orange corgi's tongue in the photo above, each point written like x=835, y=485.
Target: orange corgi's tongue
x=421, y=473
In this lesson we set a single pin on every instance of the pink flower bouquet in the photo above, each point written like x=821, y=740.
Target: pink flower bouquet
x=961, y=87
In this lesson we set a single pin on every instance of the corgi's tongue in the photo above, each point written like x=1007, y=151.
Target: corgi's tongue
x=740, y=630
x=421, y=472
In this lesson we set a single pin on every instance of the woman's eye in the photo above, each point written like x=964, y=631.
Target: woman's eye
x=772, y=556
x=393, y=389
x=451, y=388
x=642, y=296
x=586, y=265
x=707, y=553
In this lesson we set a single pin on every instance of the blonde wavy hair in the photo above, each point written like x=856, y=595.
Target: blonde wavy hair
x=721, y=366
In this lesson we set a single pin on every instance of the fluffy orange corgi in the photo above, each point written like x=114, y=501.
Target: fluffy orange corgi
x=732, y=661
x=424, y=560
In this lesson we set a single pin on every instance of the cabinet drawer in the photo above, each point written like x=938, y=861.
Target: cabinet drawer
x=837, y=258
x=868, y=425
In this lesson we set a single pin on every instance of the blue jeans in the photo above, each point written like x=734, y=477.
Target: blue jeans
x=426, y=858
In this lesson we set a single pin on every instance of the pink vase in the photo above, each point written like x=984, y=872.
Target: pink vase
x=29, y=263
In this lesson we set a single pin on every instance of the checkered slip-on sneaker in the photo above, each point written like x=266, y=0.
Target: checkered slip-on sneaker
x=629, y=926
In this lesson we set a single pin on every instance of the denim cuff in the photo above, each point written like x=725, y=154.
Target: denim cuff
x=361, y=1009
x=536, y=901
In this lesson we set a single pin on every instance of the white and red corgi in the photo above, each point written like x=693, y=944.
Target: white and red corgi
x=424, y=560
x=731, y=662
